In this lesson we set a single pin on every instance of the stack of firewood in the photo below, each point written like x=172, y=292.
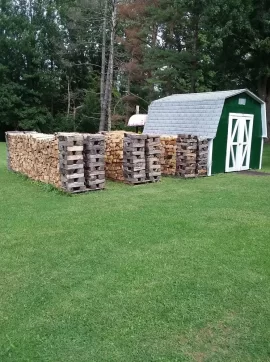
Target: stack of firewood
x=186, y=156
x=94, y=161
x=8, y=150
x=114, y=155
x=134, y=158
x=152, y=158
x=202, y=156
x=168, y=155
x=35, y=155
x=71, y=162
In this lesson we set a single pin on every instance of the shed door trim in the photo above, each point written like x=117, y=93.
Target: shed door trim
x=239, y=139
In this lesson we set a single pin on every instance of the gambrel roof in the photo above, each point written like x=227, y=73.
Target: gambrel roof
x=194, y=113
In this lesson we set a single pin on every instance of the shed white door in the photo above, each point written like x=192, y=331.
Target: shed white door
x=239, y=142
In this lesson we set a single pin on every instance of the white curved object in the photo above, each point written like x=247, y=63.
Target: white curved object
x=137, y=120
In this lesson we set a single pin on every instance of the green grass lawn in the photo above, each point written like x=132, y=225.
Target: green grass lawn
x=266, y=159
x=176, y=271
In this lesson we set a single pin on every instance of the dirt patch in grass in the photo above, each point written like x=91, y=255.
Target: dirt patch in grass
x=215, y=339
x=254, y=173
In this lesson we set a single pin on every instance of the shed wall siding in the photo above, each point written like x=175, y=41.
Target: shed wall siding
x=220, y=142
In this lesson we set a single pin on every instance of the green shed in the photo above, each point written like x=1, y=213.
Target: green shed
x=233, y=121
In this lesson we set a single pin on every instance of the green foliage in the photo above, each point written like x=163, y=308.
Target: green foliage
x=50, y=56
x=87, y=119
x=44, y=50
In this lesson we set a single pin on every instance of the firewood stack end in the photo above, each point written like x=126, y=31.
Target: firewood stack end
x=114, y=144
x=202, y=157
x=134, y=158
x=71, y=162
x=152, y=157
x=35, y=155
x=186, y=156
x=168, y=155
x=94, y=161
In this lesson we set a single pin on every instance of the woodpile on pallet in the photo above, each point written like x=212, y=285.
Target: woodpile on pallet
x=202, y=157
x=79, y=162
x=71, y=162
x=9, y=152
x=114, y=144
x=127, y=157
x=134, y=158
x=82, y=162
x=94, y=161
x=35, y=155
x=186, y=156
x=191, y=156
x=168, y=155
x=152, y=158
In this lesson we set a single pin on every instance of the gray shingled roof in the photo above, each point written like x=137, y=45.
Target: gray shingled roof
x=194, y=113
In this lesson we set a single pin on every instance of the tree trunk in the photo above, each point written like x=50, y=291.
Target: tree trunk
x=68, y=106
x=109, y=77
x=127, y=104
x=264, y=93
x=103, y=69
x=195, y=56
x=109, y=122
x=154, y=36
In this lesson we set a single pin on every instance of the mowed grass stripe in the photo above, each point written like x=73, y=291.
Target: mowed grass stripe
x=176, y=271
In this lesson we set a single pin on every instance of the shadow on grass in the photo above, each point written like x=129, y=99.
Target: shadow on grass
x=42, y=185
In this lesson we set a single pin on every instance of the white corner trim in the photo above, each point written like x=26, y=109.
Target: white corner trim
x=252, y=95
x=262, y=144
x=264, y=120
x=210, y=155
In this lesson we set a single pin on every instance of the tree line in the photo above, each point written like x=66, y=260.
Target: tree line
x=83, y=65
